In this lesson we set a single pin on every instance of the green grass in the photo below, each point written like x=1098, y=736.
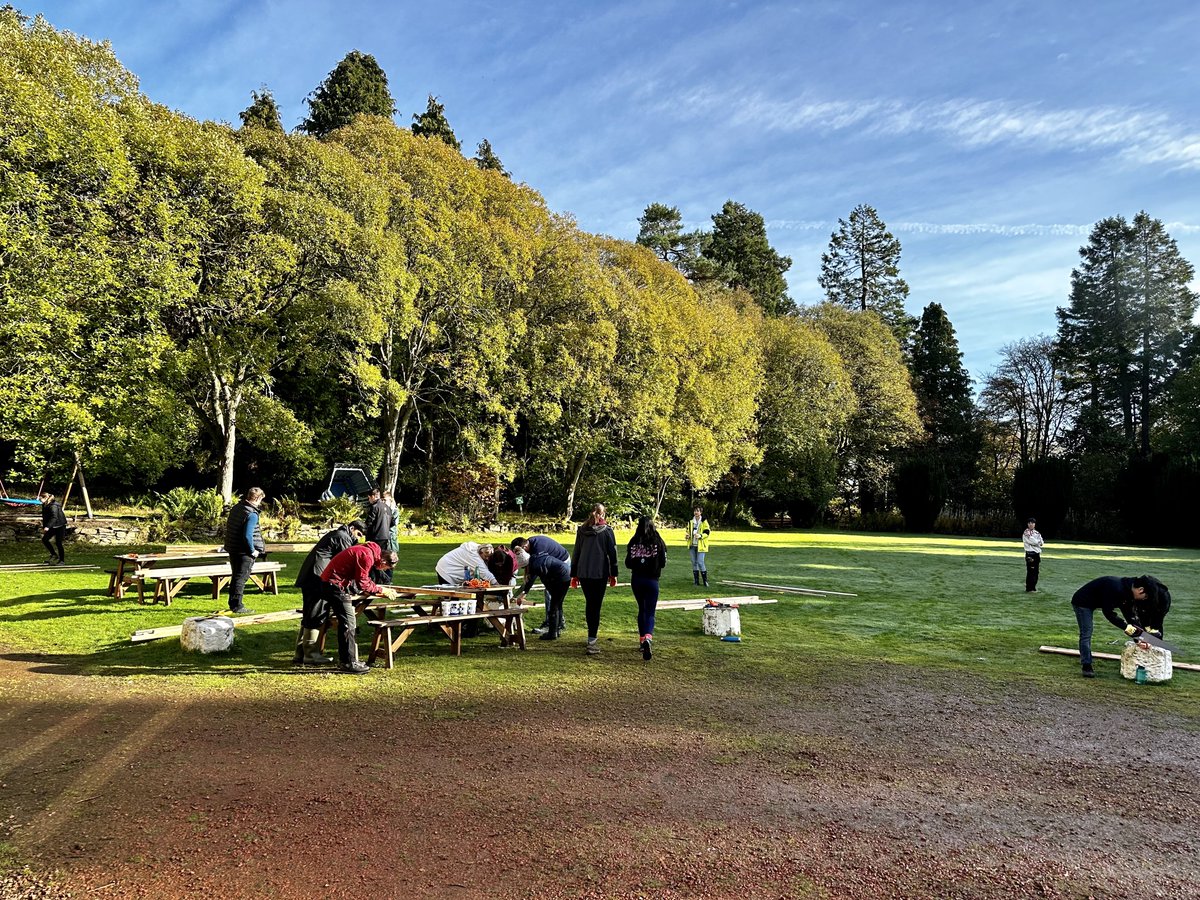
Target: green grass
x=938, y=605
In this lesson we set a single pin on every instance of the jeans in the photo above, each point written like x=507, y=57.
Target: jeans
x=645, y=591
x=698, y=559
x=593, y=595
x=1083, y=616
x=1033, y=562
x=57, y=534
x=240, y=564
x=556, y=592
x=341, y=604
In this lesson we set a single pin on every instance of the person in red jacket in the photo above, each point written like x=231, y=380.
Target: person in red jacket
x=348, y=575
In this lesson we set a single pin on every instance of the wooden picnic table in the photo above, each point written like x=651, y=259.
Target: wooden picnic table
x=141, y=563
x=170, y=580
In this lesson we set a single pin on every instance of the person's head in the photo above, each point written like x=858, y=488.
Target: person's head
x=597, y=515
x=46, y=497
x=485, y=552
x=387, y=560
x=646, y=533
x=373, y=494
x=255, y=496
x=518, y=543
x=1150, y=591
x=358, y=530
x=1031, y=523
x=520, y=549
x=697, y=512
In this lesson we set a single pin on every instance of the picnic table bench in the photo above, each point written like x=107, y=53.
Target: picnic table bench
x=510, y=622
x=132, y=567
x=168, y=582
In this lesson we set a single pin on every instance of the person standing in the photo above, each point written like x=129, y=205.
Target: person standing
x=348, y=575
x=594, y=568
x=244, y=544
x=380, y=520
x=645, y=557
x=1143, y=601
x=549, y=561
x=698, y=531
x=1033, y=554
x=308, y=580
x=394, y=535
x=54, y=528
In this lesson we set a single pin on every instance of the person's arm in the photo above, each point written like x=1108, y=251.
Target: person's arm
x=365, y=584
x=662, y=554
x=530, y=578
x=611, y=550
x=1111, y=614
x=251, y=522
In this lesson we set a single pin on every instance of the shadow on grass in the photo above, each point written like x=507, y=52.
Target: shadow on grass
x=75, y=664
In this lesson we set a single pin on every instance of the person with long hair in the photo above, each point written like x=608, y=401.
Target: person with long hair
x=594, y=568
x=54, y=528
x=646, y=557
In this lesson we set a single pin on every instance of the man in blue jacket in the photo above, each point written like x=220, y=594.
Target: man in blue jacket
x=1143, y=601
x=244, y=544
x=550, y=561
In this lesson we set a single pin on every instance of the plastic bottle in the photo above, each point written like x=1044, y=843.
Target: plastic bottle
x=1140, y=676
x=466, y=574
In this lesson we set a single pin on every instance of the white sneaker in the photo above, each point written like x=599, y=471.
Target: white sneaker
x=593, y=648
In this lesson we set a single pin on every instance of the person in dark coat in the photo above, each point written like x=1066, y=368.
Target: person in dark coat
x=308, y=580
x=244, y=544
x=549, y=561
x=54, y=528
x=645, y=558
x=594, y=568
x=1143, y=601
x=347, y=576
x=380, y=521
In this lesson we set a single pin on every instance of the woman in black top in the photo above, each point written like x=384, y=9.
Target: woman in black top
x=645, y=557
x=54, y=527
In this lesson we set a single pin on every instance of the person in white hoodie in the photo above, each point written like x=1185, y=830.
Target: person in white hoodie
x=466, y=561
x=1033, y=554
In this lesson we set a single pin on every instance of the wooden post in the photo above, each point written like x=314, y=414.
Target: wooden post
x=87, y=500
x=70, y=484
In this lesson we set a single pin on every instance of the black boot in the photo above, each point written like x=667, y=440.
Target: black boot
x=704, y=575
x=696, y=576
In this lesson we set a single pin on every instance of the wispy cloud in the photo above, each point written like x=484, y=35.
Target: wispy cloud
x=1147, y=137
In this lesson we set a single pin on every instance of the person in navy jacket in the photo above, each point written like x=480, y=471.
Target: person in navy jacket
x=1142, y=601
x=549, y=561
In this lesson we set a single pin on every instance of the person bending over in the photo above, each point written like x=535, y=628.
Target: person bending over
x=549, y=561
x=347, y=575
x=1142, y=601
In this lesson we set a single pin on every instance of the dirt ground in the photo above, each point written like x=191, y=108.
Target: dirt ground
x=889, y=785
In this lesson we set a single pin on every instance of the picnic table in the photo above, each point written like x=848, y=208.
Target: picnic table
x=141, y=563
x=169, y=581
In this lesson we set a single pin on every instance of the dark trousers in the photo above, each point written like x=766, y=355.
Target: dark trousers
x=645, y=591
x=57, y=535
x=341, y=604
x=240, y=564
x=556, y=592
x=1032, y=562
x=315, y=610
x=593, y=595
x=1084, y=617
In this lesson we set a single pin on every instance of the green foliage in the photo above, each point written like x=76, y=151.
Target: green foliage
x=263, y=112
x=739, y=247
x=433, y=124
x=284, y=513
x=356, y=86
x=340, y=510
x=661, y=230
x=181, y=508
x=1044, y=490
x=861, y=270
x=921, y=491
x=486, y=159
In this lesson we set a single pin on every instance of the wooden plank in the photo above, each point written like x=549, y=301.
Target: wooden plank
x=152, y=634
x=698, y=602
x=210, y=570
x=788, y=589
x=1067, y=651
x=34, y=567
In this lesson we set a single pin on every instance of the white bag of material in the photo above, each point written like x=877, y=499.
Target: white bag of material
x=1155, y=660
x=207, y=634
x=721, y=621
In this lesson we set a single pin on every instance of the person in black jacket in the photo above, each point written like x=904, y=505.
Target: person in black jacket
x=594, y=568
x=309, y=581
x=54, y=528
x=646, y=557
x=244, y=544
x=1143, y=601
x=380, y=521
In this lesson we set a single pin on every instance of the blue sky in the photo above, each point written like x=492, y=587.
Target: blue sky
x=989, y=136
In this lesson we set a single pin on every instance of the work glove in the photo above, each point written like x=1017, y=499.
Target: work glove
x=574, y=583
x=1155, y=632
x=1132, y=630
x=612, y=582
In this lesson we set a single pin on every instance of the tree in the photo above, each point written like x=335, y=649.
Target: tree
x=433, y=124
x=357, y=85
x=861, y=270
x=944, y=402
x=1027, y=396
x=739, y=247
x=263, y=112
x=1122, y=334
x=485, y=158
x=662, y=232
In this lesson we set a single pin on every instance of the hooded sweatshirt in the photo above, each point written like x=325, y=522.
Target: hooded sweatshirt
x=352, y=568
x=595, y=553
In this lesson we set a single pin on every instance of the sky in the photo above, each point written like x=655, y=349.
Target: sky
x=990, y=137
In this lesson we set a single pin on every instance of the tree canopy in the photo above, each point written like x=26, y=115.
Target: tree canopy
x=356, y=86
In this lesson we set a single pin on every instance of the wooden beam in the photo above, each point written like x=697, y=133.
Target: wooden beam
x=152, y=634
x=33, y=567
x=789, y=590
x=1067, y=651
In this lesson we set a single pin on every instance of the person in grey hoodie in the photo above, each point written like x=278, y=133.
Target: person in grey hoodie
x=594, y=568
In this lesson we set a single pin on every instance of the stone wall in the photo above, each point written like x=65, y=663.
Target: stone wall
x=105, y=532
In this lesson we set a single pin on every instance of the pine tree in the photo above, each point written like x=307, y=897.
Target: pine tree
x=738, y=245
x=433, y=124
x=662, y=231
x=485, y=158
x=356, y=85
x=263, y=112
x=861, y=270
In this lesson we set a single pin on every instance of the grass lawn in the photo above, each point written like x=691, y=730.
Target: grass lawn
x=909, y=741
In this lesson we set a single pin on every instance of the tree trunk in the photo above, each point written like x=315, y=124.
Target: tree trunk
x=87, y=500
x=396, y=419
x=430, y=494
x=575, y=473
x=230, y=440
x=660, y=493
